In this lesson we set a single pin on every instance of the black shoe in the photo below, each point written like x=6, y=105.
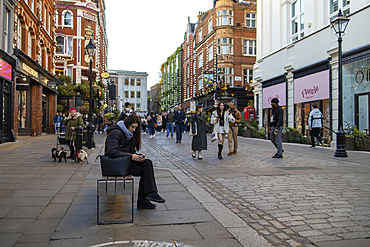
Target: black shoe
x=219, y=157
x=177, y=141
x=200, y=158
x=147, y=205
x=282, y=151
x=167, y=135
x=312, y=146
x=155, y=197
x=277, y=156
x=192, y=155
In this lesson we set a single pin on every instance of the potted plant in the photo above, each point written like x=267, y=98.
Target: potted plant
x=262, y=133
x=285, y=135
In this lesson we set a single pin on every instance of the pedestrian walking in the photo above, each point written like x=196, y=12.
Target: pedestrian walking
x=170, y=122
x=179, y=121
x=315, y=125
x=159, y=123
x=164, y=122
x=220, y=121
x=124, y=139
x=57, y=120
x=73, y=121
x=126, y=111
x=276, y=127
x=144, y=123
x=63, y=127
x=99, y=123
x=151, y=124
x=198, y=131
x=235, y=118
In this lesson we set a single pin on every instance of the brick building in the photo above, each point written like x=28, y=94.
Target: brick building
x=222, y=44
x=76, y=23
x=35, y=94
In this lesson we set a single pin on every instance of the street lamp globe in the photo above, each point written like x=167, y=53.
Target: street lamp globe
x=340, y=23
x=91, y=49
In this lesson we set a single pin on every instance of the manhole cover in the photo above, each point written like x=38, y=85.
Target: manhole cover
x=299, y=168
x=142, y=243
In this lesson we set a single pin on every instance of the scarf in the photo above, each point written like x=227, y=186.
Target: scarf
x=123, y=127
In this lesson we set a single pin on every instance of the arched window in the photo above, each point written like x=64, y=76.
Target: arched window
x=67, y=19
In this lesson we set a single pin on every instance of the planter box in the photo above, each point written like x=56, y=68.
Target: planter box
x=247, y=133
x=351, y=145
x=285, y=137
x=262, y=137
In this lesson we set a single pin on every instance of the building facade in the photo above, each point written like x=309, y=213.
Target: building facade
x=131, y=87
x=155, y=98
x=77, y=22
x=219, y=53
x=35, y=94
x=7, y=66
x=297, y=62
x=171, y=78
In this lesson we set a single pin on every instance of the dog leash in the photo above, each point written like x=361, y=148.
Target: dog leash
x=70, y=142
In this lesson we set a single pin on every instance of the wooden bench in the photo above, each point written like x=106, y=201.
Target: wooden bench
x=113, y=186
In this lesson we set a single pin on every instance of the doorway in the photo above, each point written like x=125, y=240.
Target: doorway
x=362, y=111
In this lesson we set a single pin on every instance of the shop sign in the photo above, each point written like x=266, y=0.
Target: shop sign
x=89, y=34
x=88, y=15
x=5, y=70
x=29, y=70
x=312, y=87
x=22, y=84
x=238, y=78
x=276, y=91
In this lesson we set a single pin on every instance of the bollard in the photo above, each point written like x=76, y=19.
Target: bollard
x=78, y=133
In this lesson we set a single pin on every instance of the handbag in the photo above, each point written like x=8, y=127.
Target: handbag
x=214, y=133
x=195, y=127
x=115, y=166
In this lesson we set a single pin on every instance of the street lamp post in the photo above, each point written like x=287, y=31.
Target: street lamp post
x=90, y=50
x=340, y=24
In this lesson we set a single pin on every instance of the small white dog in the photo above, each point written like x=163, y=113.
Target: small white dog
x=81, y=155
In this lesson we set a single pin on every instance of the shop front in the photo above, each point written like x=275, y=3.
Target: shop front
x=6, y=96
x=312, y=86
x=36, y=96
x=273, y=88
x=356, y=89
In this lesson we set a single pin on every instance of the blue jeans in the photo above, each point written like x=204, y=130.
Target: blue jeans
x=151, y=131
x=179, y=129
x=170, y=126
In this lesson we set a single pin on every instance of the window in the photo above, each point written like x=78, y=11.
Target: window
x=126, y=94
x=249, y=47
x=200, y=83
x=227, y=76
x=60, y=45
x=46, y=61
x=33, y=6
x=138, y=82
x=69, y=46
x=248, y=76
x=6, y=29
x=194, y=67
x=132, y=94
x=210, y=53
x=224, y=17
x=19, y=34
x=187, y=71
x=67, y=19
x=45, y=16
x=132, y=83
x=29, y=44
x=225, y=46
x=335, y=5
x=210, y=26
x=250, y=20
x=200, y=36
x=138, y=107
x=126, y=82
x=200, y=61
x=187, y=92
x=297, y=21
x=138, y=94
x=187, y=51
x=56, y=18
x=194, y=89
x=49, y=23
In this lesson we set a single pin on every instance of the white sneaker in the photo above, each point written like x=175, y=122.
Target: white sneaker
x=153, y=135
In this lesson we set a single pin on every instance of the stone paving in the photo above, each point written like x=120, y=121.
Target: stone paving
x=308, y=198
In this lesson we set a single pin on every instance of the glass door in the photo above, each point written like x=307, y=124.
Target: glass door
x=362, y=107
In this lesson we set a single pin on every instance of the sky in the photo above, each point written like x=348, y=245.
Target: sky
x=142, y=34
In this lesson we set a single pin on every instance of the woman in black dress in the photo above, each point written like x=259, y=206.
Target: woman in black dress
x=199, y=142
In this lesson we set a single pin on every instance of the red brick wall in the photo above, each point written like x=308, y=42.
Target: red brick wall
x=15, y=112
x=52, y=111
x=36, y=110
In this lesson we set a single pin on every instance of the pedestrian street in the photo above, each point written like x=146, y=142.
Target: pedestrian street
x=307, y=198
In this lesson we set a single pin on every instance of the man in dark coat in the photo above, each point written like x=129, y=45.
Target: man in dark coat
x=199, y=142
x=180, y=121
x=98, y=123
x=126, y=111
x=276, y=127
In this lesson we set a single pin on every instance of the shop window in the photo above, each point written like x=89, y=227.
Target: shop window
x=225, y=46
x=60, y=45
x=138, y=83
x=67, y=19
x=249, y=48
x=250, y=20
x=225, y=17
x=126, y=81
x=132, y=82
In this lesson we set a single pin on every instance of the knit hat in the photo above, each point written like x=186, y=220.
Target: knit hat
x=72, y=109
x=275, y=100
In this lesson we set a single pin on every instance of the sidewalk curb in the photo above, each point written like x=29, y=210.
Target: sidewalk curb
x=236, y=226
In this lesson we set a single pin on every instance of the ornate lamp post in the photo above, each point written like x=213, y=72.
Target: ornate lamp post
x=340, y=24
x=90, y=50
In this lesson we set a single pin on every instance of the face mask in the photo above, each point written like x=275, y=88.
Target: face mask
x=127, y=109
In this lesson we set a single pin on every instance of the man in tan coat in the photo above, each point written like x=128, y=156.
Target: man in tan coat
x=235, y=118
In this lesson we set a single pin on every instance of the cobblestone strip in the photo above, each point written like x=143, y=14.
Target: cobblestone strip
x=273, y=230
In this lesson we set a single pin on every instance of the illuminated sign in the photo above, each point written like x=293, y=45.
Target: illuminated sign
x=30, y=70
x=5, y=70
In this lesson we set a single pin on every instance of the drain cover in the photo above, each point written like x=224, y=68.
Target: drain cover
x=299, y=168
